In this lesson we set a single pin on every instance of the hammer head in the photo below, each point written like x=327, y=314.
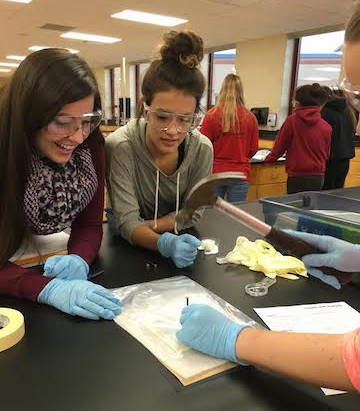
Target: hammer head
x=203, y=193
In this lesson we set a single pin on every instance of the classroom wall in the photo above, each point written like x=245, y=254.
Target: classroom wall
x=260, y=63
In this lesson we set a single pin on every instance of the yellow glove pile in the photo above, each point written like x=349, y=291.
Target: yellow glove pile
x=261, y=256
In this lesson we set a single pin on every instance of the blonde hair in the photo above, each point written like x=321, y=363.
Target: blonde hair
x=230, y=97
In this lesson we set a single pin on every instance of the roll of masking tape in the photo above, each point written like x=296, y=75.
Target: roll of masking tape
x=12, y=327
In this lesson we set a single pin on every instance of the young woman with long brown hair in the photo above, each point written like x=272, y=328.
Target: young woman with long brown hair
x=52, y=178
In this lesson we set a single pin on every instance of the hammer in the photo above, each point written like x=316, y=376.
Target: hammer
x=203, y=195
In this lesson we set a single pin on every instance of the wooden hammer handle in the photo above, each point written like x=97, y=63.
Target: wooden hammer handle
x=289, y=245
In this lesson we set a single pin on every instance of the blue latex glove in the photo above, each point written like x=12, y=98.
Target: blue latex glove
x=181, y=248
x=338, y=254
x=83, y=298
x=209, y=331
x=66, y=267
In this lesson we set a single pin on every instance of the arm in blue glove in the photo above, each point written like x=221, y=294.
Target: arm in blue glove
x=66, y=267
x=338, y=254
x=209, y=331
x=181, y=248
x=314, y=358
x=83, y=298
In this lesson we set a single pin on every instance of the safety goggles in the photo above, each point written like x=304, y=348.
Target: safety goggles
x=65, y=126
x=352, y=93
x=162, y=120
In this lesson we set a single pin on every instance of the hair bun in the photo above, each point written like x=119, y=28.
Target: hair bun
x=183, y=47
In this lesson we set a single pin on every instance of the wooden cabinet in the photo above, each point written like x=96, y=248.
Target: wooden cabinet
x=106, y=129
x=267, y=180
x=353, y=177
x=271, y=173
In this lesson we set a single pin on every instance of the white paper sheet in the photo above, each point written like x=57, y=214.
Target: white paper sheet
x=328, y=318
x=42, y=247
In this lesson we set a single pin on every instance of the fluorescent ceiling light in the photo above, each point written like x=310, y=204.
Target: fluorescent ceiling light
x=89, y=37
x=149, y=18
x=20, y=58
x=329, y=69
x=316, y=78
x=37, y=48
x=4, y=70
x=9, y=64
x=20, y=1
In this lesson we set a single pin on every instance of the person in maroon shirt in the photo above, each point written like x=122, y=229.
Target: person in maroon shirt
x=306, y=139
x=51, y=179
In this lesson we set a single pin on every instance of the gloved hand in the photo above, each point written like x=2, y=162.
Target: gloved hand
x=338, y=254
x=66, y=267
x=181, y=248
x=83, y=298
x=209, y=331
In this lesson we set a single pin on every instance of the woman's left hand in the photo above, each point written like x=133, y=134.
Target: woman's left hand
x=66, y=267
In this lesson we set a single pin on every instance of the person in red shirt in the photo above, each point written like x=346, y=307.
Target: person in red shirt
x=234, y=132
x=52, y=178
x=306, y=139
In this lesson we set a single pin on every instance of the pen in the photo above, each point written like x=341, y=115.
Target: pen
x=95, y=274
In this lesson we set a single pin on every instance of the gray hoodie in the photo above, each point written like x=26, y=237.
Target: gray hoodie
x=131, y=176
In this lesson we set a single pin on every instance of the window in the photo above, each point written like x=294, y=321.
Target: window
x=223, y=63
x=320, y=59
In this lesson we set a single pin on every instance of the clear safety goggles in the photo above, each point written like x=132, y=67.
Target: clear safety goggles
x=65, y=126
x=352, y=93
x=162, y=120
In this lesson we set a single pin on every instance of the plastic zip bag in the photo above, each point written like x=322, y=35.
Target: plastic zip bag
x=151, y=313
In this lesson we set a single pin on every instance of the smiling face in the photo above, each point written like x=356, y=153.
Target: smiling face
x=162, y=142
x=351, y=56
x=60, y=149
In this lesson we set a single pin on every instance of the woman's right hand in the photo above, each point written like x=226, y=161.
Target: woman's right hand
x=181, y=248
x=338, y=254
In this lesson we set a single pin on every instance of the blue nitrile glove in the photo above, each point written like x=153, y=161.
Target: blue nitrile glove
x=209, y=331
x=79, y=297
x=338, y=254
x=66, y=267
x=181, y=248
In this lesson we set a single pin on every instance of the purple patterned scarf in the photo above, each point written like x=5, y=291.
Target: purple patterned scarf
x=55, y=194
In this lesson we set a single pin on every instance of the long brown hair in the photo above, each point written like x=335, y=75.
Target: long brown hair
x=230, y=97
x=43, y=83
x=352, y=31
x=178, y=68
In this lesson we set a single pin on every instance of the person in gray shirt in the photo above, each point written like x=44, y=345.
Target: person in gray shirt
x=154, y=161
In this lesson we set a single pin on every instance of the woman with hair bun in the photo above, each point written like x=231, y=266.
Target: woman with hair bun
x=155, y=160
x=305, y=138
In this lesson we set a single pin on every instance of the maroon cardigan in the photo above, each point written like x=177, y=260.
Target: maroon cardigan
x=85, y=239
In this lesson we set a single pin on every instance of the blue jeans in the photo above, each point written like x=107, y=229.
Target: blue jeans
x=234, y=192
